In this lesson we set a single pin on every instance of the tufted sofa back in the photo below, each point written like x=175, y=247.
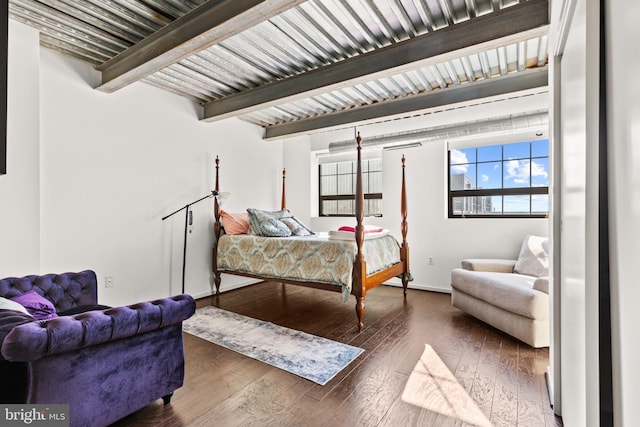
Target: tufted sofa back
x=65, y=291
x=35, y=340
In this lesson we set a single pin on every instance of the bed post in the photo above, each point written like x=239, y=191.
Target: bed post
x=359, y=265
x=283, y=203
x=217, y=228
x=404, y=249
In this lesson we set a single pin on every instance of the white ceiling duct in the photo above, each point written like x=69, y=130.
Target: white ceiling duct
x=515, y=123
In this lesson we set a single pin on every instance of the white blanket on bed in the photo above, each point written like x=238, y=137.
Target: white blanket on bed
x=349, y=235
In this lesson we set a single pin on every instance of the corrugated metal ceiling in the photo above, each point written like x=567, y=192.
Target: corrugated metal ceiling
x=311, y=35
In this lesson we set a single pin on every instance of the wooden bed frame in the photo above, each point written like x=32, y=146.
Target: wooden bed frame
x=361, y=282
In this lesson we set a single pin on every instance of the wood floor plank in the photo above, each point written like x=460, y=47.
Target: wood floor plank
x=223, y=388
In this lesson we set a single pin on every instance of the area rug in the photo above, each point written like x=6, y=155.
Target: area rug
x=308, y=356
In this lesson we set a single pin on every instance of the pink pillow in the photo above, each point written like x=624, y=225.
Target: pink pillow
x=235, y=223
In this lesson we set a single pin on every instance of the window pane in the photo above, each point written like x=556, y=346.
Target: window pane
x=328, y=169
x=518, y=150
x=490, y=175
x=375, y=182
x=328, y=185
x=458, y=205
x=463, y=180
x=540, y=203
x=466, y=155
x=344, y=167
x=516, y=173
x=375, y=165
x=540, y=148
x=373, y=207
x=490, y=153
x=329, y=207
x=539, y=172
x=344, y=184
x=346, y=207
x=516, y=204
x=493, y=206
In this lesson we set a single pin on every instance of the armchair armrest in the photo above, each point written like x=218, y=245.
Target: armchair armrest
x=541, y=284
x=492, y=265
x=35, y=340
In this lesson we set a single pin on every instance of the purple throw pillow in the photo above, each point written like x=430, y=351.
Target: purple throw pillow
x=38, y=306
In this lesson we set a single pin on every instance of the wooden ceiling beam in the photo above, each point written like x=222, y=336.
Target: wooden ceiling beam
x=516, y=23
x=497, y=86
x=204, y=26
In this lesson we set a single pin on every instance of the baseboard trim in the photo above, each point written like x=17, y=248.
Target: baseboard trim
x=418, y=286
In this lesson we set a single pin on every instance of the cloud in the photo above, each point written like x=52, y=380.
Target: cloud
x=484, y=178
x=518, y=171
x=538, y=170
x=458, y=156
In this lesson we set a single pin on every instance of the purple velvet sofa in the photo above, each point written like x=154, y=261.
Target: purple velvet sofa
x=104, y=363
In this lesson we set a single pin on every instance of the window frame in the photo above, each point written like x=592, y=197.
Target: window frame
x=341, y=197
x=479, y=192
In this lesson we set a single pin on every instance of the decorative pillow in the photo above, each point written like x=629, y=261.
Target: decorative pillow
x=274, y=228
x=257, y=217
x=297, y=228
x=7, y=304
x=273, y=223
x=235, y=223
x=37, y=305
x=533, y=259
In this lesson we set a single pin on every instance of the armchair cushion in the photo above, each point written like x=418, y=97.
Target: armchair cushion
x=495, y=265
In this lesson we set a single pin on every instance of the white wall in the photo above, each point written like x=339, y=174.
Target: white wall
x=19, y=188
x=624, y=204
x=431, y=233
x=92, y=188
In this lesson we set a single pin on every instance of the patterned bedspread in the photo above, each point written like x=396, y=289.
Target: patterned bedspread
x=309, y=258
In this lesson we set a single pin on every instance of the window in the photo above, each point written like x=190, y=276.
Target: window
x=338, y=188
x=509, y=180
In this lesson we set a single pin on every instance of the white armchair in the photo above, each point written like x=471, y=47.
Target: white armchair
x=510, y=295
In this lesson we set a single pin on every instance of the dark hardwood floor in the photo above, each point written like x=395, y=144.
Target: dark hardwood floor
x=425, y=364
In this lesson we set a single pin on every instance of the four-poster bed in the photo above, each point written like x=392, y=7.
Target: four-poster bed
x=316, y=261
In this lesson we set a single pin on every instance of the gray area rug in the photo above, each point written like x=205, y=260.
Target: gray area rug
x=308, y=356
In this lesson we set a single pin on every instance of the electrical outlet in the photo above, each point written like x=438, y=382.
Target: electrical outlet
x=108, y=282
x=430, y=260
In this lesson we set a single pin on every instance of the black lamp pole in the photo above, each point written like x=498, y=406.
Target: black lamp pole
x=186, y=224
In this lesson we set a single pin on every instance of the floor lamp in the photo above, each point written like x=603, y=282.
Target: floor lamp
x=188, y=220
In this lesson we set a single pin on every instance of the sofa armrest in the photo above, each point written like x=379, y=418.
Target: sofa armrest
x=35, y=340
x=541, y=284
x=492, y=265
